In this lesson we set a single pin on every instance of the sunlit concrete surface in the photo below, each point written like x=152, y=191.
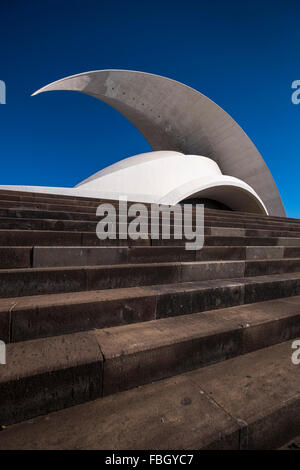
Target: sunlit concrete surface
x=199, y=150
x=173, y=116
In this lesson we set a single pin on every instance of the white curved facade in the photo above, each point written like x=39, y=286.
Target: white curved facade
x=163, y=177
x=200, y=151
x=167, y=177
x=173, y=116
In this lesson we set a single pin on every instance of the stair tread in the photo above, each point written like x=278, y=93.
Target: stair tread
x=222, y=405
x=292, y=444
x=139, y=343
x=65, y=207
x=14, y=196
x=128, y=339
x=48, y=355
x=25, y=212
x=147, y=265
x=17, y=237
x=186, y=336
x=127, y=292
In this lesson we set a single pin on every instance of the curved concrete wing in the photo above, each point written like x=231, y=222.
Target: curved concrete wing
x=228, y=190
x=173, y=116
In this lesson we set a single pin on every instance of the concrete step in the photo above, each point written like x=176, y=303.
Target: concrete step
x=292, y=444
x=84, y=366
x=40, y=257
x=46, y=206
x=248, y=217
x=88, y=209
x=50, y=374
x=47, y=224
x=217, y=220
x=73, y=239
x=247, y=402
x=89, y=256
x=11, y=197
x=229, y=238
x=39, y=194
x=87, y=226
x=33, y=216
x=31, y=281
x=140, y=353
x=30, y=317
x=85, y=319
x=11, y=194
x=25, y=257
x=19, y=197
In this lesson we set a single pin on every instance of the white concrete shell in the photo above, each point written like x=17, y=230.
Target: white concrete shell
x=173, y=116
x=168, y=177
x=163, y=177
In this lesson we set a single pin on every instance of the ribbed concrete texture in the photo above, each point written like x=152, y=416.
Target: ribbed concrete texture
x=173, y=116
x=189, y=349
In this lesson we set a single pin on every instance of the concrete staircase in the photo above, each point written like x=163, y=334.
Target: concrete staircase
x=143, y=344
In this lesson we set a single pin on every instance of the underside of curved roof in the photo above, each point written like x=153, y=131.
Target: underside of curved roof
x=173, y=116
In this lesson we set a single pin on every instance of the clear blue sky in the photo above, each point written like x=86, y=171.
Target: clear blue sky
x=242, y=54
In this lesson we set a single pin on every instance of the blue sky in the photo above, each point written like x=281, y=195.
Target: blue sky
x=243, y=55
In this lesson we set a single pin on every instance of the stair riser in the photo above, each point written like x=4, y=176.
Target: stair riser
x=71, y=225
x=61, y=221
x=39, y=395
x=20, y=214
x=275, y=429
x=143, y=367
x=262, y=268
x=42, y=206
x=44, y=210
x=247, y=402
x=33, y=322
x=43, y=224
x=65, y=238
x=59, y=280
x=214, y=240
x=62, y=292
x=80, y=203
x=36, y=198
x=21, y=324
x=11, y=195
x=46, y=257
x=39, y=257
x=75, y=378
x=68, y=225
x=47, y=390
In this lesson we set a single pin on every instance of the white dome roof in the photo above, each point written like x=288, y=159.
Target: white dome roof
x=168, y=177
x=163, y=177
